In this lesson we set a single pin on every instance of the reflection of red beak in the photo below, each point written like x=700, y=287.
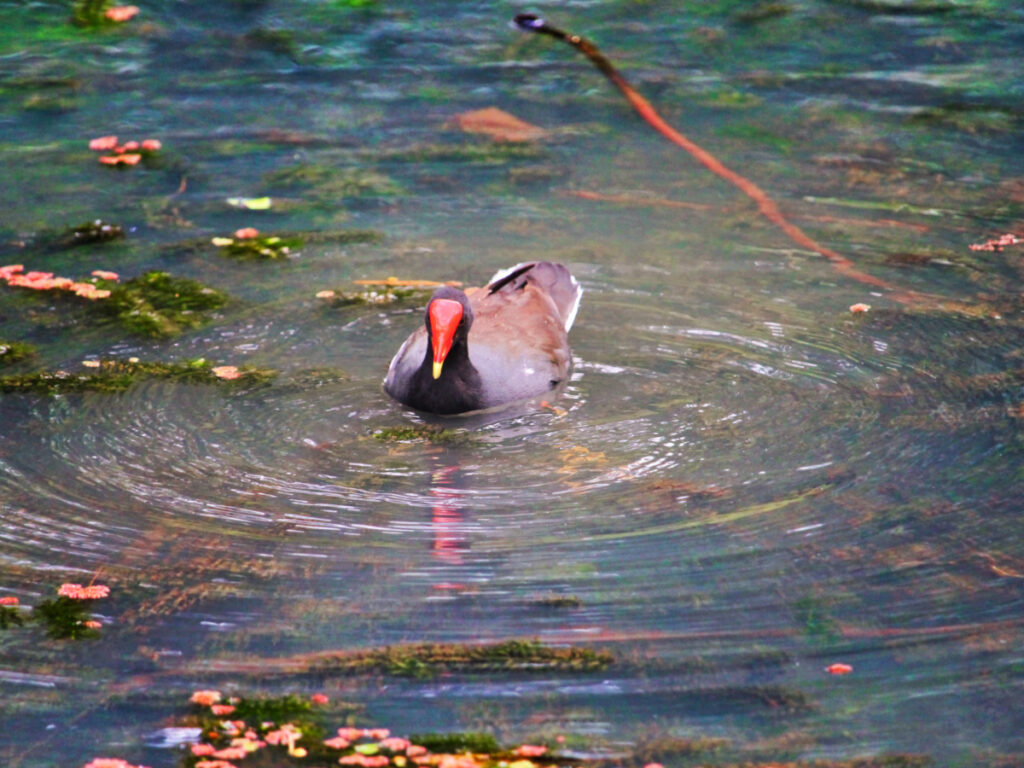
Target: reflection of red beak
x=445, y=316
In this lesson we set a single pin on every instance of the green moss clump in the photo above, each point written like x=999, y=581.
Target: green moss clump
x=90, y=13
x=10, y=617
x=158, y=304
x=280, y=709
x=96, y=231
x=12, y=352
x=64, y=619
x=428, y=432
x=337, y=298
x=116, y=376
x=426, y=659
x=557, y=601
x=262, y=247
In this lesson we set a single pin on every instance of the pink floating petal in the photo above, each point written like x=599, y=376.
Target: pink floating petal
x=103, y=143
x=121, y=13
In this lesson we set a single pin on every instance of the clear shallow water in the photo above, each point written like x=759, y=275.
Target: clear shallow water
x=743, y=483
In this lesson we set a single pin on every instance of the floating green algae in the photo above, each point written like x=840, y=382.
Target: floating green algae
x=427, y=659
x=111, y=376
x=12, y=352
x=159, y=304
x=427, y=432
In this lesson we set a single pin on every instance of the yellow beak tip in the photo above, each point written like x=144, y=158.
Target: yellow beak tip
x=437, y=370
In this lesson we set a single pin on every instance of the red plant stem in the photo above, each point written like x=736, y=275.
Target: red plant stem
x=765, y=204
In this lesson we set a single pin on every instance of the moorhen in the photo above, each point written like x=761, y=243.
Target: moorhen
x=490, y=346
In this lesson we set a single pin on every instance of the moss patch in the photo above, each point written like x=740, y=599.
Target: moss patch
x=116, y=376
x=12, y=352
x=64, y=619
x=428, y=432
x=427, y=659
x=161, y=305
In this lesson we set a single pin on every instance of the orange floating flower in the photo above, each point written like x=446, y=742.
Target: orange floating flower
x=499, y=125
x=205, y=698
x=230, y=753
x=221, y=710
x=103, y=143
x=531, y=750
x=337, y=743
x=415, y=750
x=376, y=733
x=287, y=734
x=858, y=308
x=121, y=13
x=226, y=372
x=10, y=270
x=395, y=744
x=92, y=624
x=998, y=243
x=201, y=750
x=8, y=600
x=151, y=145
x=214, y=764
x=128, y=146
x=103, y=274
x=365, y=761
x=78, y=592
x=108, y=762
x=132, y=159
x=350, y=733
x=839, y=669
x=247, y=233
x=319, y=698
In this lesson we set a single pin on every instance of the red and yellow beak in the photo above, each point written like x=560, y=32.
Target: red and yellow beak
x=445, y=316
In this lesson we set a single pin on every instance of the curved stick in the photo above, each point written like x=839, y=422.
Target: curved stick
x=533, y=23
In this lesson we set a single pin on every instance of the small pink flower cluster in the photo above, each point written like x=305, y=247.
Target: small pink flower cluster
x=997, y=244
x=110, y=762
x=128, y=153
x=15, y=275
x=8, y=600
x=78, y=592
x=365, y=761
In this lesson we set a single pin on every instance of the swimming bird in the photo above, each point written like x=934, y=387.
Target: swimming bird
x=491, y=346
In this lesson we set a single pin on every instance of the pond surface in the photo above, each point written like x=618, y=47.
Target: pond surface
x=744, y=482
